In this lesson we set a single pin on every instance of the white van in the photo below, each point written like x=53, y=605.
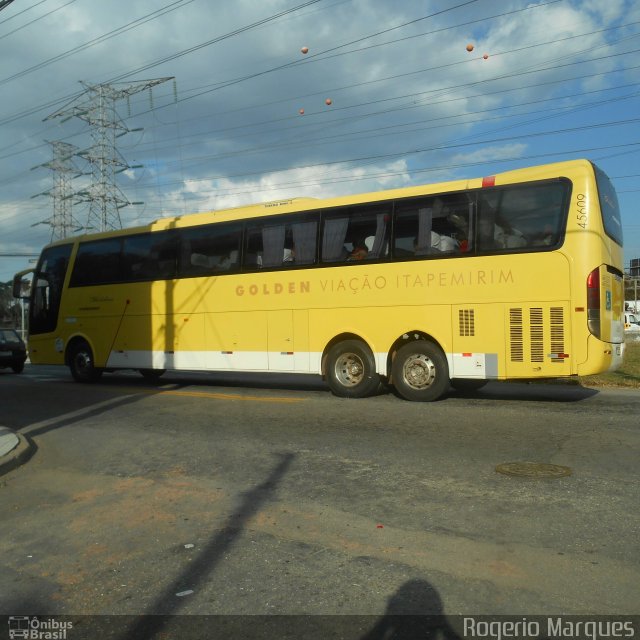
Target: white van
x=631, y=323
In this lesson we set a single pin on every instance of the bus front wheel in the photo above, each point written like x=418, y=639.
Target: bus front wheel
x=420, y=371
x=351, y=370
x=81, y=363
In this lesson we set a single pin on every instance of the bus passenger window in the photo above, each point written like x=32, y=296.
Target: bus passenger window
x=522, y=217
x=356, y=233
x=210, y=249
x=496, y=228
x=432, y=226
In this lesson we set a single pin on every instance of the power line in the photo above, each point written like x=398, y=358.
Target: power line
x=432, y=69
x=208, y=43
x=127, y=27
x=27, y=24
x=5, y=3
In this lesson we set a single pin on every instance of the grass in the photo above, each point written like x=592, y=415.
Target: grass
x=628, y=375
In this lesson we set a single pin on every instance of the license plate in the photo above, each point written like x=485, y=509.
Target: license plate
x=5, y=353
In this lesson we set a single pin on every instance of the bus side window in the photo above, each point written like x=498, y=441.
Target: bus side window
x=97, y=262
x=300, y=242
x=210, y=249
x=522, y=217
x=356, y=233
x=496, y=226
x=432, y=227
x=150, y=256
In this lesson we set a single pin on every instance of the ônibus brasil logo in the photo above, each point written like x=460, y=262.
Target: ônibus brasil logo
x=37, y=628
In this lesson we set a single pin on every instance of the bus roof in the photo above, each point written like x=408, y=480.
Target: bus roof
x=291, y=205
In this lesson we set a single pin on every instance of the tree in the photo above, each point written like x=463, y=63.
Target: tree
x=9, y=306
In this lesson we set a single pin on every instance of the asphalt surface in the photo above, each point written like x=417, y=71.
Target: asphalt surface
x=251, y=496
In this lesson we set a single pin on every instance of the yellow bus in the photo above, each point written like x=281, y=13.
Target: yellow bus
x=512, y=276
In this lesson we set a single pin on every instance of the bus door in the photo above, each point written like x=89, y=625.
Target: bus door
x=280, y=340
x=288, y=340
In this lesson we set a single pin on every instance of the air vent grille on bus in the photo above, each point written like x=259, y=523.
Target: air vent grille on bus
x=516, y=335
x=553, y=337
x=557, y=332
x=466, y=318
x=537, y=334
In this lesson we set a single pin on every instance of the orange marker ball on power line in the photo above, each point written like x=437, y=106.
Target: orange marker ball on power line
x=301, y=112
x=485, y=56
x=469, y=47
x=328, y=101
x=305, y=50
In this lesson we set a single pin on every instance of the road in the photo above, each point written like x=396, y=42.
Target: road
x=253, y=495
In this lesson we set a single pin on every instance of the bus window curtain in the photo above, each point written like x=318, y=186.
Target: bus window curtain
x=335, y=231
x=380, y=237
x=425, y=220
x=304, y=242
x=272, y=246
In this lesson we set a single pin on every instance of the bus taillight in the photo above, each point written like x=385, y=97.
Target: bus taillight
x=593, y=302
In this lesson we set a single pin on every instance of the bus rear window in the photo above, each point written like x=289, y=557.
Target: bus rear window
x=609, y=206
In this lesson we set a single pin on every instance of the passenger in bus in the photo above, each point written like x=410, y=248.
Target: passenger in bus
x=506, y=237
x=359, y=251
x=460, y=223
x=439, y=244
x=496, y=233
x=546, y=238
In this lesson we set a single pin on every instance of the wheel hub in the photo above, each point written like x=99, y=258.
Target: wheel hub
x=349, y=369
x=419, y=371
x=83, y=361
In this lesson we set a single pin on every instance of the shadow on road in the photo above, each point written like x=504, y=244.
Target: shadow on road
x=413, y=612
x=167, y=603
x=551, y=391
x=532, y=392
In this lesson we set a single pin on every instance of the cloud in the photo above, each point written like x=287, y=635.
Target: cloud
x=312, y=182
x=405, y=94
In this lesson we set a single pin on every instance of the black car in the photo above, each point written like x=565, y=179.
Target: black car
x=13, y=353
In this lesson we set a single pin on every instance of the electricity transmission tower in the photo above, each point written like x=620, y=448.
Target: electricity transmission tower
x=97, y=107
x=64, y=170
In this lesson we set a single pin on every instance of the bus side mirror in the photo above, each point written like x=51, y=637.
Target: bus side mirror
x=19, y=285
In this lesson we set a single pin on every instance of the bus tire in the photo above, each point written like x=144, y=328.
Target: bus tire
x=151, y=374
x=82, y=364
x=420, y=371
x=467, y=384
x=351, y=370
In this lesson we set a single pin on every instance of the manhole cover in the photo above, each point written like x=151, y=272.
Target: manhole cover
x=533, y=470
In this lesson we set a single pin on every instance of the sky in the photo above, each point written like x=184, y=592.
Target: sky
x=259, y=101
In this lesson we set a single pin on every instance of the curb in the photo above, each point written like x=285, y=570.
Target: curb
x=20, y=454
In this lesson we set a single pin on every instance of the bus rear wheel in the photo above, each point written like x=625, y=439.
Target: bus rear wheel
x=81, y=363
x=420, y=371
x=351, y=370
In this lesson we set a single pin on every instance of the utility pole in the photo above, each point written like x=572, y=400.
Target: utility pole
x=63, y=222
x=97, y=107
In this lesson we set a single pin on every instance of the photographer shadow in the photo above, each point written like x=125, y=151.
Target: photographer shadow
x=413, y=611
